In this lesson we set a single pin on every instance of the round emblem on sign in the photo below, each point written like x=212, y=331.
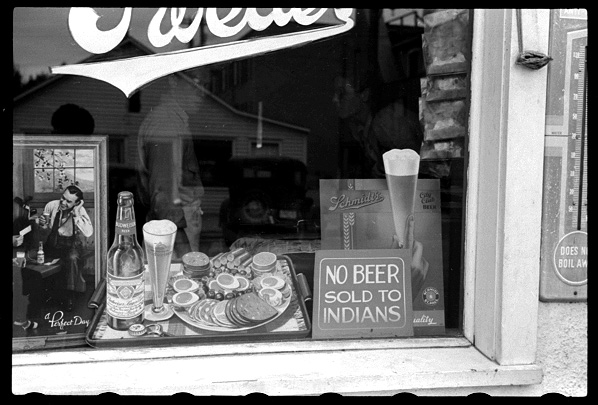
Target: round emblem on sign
x=571, y=258
x=431, y=296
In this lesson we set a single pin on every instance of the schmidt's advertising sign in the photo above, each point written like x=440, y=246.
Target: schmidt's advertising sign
x=130, y=74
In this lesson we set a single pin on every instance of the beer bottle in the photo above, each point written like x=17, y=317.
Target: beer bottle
x=40, y=254
x=125, y=287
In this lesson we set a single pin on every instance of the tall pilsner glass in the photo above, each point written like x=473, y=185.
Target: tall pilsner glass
x=158, y=239
x=401, y=167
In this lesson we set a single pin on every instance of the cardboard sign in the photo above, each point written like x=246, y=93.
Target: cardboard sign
x=362, y=293
x=364, y=221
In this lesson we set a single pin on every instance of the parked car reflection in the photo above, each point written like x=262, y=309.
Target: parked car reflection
x=267, y=197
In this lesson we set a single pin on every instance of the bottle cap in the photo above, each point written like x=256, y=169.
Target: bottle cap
x=137, y=329
x=154, y=328
x=125, y=198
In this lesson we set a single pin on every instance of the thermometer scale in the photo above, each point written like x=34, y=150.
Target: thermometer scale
x=577, y=182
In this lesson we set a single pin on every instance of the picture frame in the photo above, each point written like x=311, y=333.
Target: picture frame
x=53, y=300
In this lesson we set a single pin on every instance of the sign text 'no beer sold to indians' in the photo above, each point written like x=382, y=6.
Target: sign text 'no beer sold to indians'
x=131, y=74
x=362, y=293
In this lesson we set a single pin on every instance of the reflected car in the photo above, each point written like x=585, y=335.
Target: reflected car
x=267, y=197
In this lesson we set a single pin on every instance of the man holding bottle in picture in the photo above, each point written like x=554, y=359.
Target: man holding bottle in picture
x=65, y=219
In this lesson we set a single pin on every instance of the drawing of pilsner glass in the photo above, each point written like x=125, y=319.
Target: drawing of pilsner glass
x=401, y=167
x=158, y=238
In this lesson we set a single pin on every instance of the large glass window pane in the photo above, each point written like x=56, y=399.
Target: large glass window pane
x=245, y=153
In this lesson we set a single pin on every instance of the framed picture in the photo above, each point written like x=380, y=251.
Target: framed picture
x=59, y=237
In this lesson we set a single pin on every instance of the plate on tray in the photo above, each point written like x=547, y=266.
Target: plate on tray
x=185, y=316
x=213, y=315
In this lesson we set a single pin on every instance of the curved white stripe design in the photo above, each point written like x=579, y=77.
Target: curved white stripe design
x=130, y=74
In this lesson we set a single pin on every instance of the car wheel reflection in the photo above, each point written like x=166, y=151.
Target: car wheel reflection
x=255, y=210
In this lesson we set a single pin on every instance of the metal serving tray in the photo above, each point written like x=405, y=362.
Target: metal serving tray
x=292, y=323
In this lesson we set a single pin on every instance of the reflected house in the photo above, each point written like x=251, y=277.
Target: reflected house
x=219, y=130
x=302, y=119
x=297, y=85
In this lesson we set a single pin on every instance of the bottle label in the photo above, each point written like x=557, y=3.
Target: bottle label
x=125, y=228
x=124, y=296
x=40, y=254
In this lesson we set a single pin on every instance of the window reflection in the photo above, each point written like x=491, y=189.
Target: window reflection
x=196, y=147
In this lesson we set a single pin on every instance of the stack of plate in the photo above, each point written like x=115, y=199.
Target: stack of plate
x=263, y=263
x=196, y=265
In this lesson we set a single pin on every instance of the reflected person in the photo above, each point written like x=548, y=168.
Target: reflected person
x=170, y=182
x=377, y=117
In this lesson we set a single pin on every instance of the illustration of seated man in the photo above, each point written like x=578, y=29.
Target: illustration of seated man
x=66, y=221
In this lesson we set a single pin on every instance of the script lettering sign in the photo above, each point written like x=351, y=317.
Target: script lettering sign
x=362, y=293
x=130, y=74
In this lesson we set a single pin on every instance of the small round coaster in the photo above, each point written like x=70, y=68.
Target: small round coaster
x=152, y=316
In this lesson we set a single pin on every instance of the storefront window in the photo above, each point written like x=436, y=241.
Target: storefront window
x=244, y=155
x=294, y=118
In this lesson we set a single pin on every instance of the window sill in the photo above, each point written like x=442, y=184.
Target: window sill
x=273, y=368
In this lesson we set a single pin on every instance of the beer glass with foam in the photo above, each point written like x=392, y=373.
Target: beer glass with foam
x=401, y=167
x=158, y=238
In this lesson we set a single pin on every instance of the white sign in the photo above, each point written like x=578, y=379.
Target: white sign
x=132, y=73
